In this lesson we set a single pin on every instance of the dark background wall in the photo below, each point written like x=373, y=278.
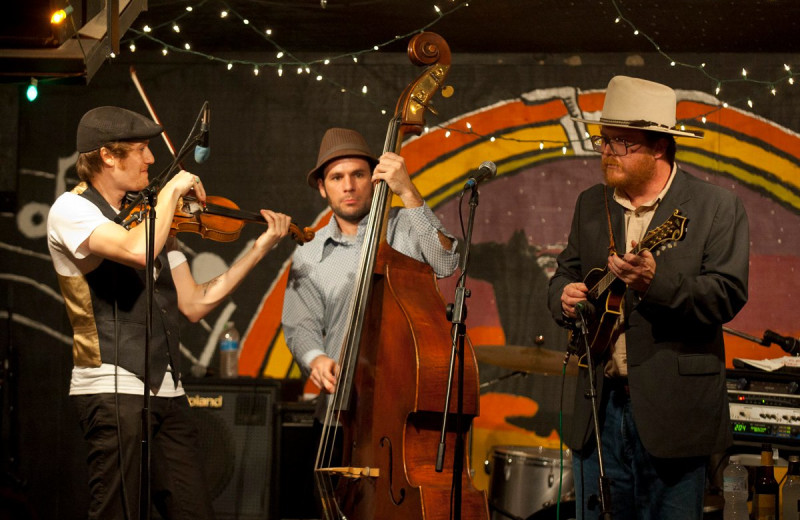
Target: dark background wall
x=265, y=134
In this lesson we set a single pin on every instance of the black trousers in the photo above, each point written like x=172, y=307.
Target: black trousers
x=177, y=482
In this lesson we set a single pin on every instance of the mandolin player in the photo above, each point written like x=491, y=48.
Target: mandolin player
x=656, y=330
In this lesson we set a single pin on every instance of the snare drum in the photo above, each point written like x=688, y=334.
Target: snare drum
x=524, y=480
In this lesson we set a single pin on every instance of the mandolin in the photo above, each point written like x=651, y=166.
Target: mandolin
x=606, y=291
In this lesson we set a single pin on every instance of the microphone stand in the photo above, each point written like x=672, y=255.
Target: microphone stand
x=604, y=485
x=496, y=380
x=456, y=314
x=790, y=345
x=148, y=197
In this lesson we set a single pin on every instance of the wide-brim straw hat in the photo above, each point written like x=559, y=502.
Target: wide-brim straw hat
x=338, y=143
x=641, y=105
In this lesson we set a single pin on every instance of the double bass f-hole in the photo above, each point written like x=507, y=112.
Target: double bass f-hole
x=402, y=493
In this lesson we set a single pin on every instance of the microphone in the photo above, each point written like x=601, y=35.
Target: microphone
x=789, y=345
x=486, y=171
x=202, y=151
x=584, y=309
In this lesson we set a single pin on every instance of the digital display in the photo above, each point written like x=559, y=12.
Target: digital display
x=758, y=429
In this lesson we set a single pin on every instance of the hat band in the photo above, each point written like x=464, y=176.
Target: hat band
x=639, y=123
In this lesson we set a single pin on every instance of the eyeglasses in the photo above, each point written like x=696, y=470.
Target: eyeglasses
x=619, y=146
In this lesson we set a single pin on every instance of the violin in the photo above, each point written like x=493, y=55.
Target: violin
x=220, y=220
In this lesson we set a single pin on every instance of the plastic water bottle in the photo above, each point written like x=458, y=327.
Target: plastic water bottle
x=791, y=489
x=229, y=352
x=734, y=489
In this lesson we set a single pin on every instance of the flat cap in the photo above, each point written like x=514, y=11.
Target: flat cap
x=104, y=125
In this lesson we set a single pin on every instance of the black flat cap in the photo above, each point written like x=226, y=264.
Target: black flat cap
x=103, y=125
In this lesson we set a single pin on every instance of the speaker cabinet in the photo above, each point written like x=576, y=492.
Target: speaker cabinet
x=298, y=450
x=236, y=419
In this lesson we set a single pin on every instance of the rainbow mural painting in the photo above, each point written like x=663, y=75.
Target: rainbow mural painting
x=544, y=161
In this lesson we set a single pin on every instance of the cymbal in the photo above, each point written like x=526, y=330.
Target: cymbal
x=528, y=359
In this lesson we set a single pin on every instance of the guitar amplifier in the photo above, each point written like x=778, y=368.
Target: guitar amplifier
x=239, y=438
x=764, y=407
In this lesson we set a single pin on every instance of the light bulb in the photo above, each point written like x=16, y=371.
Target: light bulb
x=59, y=16
x=33, y=90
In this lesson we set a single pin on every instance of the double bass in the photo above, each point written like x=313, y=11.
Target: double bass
x=394, y=365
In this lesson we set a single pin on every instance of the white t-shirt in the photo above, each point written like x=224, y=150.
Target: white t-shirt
x=71, y=220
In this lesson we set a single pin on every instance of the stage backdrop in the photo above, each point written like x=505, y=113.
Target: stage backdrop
x=514, y=110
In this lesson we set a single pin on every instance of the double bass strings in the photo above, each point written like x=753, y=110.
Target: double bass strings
x=339, y=400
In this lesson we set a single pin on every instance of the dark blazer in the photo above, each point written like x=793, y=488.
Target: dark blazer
x=675, y=350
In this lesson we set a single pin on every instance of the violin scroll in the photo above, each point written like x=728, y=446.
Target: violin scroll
x=301, y=236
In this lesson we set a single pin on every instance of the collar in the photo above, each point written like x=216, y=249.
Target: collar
x=331, y=233
x=335, y=232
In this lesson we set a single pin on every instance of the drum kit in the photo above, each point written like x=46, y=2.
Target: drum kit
x=526, y=482
x=529, y=482
x=536, y=360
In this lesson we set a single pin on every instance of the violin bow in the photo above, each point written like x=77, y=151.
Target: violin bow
x=151, y=110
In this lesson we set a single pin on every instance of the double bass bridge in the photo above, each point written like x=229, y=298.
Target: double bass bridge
x=352, y=472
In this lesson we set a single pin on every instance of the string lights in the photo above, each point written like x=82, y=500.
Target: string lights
x=32, y=92
x=787, y=76
x=159, y=34
x=58, y=17
x=283, y=57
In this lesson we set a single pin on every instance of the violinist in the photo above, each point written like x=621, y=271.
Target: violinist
x=100, y=267
x=316, y=303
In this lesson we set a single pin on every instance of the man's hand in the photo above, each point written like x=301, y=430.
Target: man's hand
x=570, y=296
x=184, y=182
x=637, y=271
x=324, y=372
x=392, y=169
x=277, y=228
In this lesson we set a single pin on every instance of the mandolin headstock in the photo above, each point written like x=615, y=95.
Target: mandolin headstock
x=672, y=230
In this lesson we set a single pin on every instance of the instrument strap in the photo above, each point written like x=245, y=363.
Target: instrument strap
x=612, y=246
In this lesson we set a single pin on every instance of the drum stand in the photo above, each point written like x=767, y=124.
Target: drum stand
x=604, y=485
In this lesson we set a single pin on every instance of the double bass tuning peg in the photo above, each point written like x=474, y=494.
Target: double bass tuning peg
x=447, y=91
